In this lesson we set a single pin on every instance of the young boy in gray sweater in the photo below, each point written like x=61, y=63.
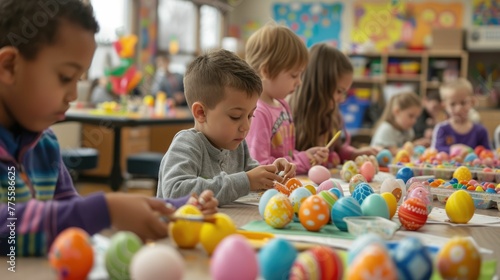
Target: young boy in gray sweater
x=222, y=91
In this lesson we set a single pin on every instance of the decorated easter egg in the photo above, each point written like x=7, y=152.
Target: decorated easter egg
x=345, y=207
x=360, y=243
x=460, y=207
x=348, y=170
x=384, y=157
x=185, y=234
x=274, y=268
x=412, y=213
x=375, y=205
x=157, y=261
x=462, y=174
x=318, y=174
x=329, y=184
x=362, y=191
x=296, y=199
x=122, y=247
x=459, y=258
x=367, y=170
x=470, y=157
x=317, y=263
x=71, y=254
x=292, y=184
x=404, y=174
x=359, y=160
x=282, y=188
x=278, y=212
x=374, y=262
x=392, y=203
x=311, y=189
x=412, y=260
x=395, y=186
x=355, y=180
x=402, y=156
x=314, y=213
x=424, y=195
x=338, y=193
x=212, y=233
x=329, y=198
x=264, y=199
x=234, y=258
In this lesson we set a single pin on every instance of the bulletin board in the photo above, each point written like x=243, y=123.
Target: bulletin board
x=148, y=31
x=486, y=12
x=398, y=24
x=314, y=23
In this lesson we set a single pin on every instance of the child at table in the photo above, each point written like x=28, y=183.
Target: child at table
x=315, y=106
x=279, y=57
x=38, y=78
x=432, y=114
x=459, y=129
x=395, y=127
x=222, y=92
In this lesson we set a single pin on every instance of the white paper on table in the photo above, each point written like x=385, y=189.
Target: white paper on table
x=438, y=216
x=252, y=198
x=100, y=244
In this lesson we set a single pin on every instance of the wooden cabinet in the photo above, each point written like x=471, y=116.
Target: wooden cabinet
x=423, y=69
x=134, y=140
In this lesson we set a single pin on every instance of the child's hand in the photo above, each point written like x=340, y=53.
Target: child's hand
x=369, y=151
x=206, y=202
x=426, y=142
x=318, y=155
x=263, y=177
x=139, y=214
x=288, y=168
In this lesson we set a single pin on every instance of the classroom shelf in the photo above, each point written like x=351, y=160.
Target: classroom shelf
x=369, y=80
x=402, y=77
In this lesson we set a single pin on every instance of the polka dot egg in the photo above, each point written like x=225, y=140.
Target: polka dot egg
x=459, y=259
x=361, y=192
x=314, y=213
x=279, y=211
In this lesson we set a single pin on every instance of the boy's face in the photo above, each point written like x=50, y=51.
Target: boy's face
x=282, y=85
x=227, y=125
x=457, y=104
x=37, y=93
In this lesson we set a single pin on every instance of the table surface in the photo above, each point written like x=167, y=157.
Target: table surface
x=198, y=261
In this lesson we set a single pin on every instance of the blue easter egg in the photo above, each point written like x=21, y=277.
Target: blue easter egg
x=404, y=174
x=274, y=267
x=336, y=192
x=264, y=199
x=361, y=243
x=412, y=260
x=470, y=157
x=384, y=158
x=296, y=197
x=345, y=207
x=362, y=191
x=418, y=151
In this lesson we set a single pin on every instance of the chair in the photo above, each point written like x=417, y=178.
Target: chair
x=79, y=159
x=145, y=165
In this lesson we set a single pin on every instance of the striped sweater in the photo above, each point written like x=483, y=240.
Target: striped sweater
x=37, y=197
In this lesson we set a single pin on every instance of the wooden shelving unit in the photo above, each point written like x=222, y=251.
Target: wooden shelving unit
x=422, y=78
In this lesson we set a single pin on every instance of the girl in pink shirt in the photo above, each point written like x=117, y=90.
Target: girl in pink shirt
x=279, y=57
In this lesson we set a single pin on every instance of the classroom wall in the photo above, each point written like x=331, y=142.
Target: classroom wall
x=260, y=12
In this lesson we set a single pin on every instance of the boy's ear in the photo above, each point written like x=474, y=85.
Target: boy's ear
x=199, y=112
x=8, y=56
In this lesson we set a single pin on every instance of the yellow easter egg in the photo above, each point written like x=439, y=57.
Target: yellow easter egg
x=460, y=207
x=279, y=211
x=311, y=188
x=459, y=259
x=186, y=234
x=213, y=233
x=462, y=174
x=392, y=203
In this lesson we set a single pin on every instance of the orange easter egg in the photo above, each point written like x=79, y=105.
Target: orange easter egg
x=459, y=259
x=314, y=213
x=373, y=262
x=413, y=213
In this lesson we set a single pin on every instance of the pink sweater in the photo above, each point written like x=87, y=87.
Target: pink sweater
x=272, y=135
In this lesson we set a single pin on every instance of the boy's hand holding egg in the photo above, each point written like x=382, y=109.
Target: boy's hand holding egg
x=263, y=177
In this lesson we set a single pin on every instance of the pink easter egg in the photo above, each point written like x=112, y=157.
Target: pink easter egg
x=329, y=184
x=318, y=174
x=367, y=170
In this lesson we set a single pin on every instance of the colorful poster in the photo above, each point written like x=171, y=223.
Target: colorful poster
x=314, y=23
x=486, y=12
x=398, y=24
x=148, y=25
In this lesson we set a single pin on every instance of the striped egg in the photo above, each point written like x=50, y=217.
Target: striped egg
x=119, y=255
x=460, y=207
x=314, y=213
x=329, y=198
x=296, y=198
x=318, y=263
x=279, y=211
x=412, y=213
x=345, y=207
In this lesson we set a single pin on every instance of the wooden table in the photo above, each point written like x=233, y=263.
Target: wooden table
x=116, y=122
x=198, y=262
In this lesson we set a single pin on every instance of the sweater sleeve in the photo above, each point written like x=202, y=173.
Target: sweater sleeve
x=180, y=172
x=439, y=139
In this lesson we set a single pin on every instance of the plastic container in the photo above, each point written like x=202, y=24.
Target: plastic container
x=444, y=173
x=365, y=224
x=481, y=200
x=483, y=176
x=394, y=168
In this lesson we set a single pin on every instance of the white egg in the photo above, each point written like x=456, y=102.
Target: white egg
x=157, y=262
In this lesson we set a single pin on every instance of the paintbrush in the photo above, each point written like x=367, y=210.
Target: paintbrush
x=199, y=219
x=334, y=138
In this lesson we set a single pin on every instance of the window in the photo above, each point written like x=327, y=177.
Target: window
x=177, y=26
x=210, y=27
x=110, y=24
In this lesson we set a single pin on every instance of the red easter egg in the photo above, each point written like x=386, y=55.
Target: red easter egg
x=329, y=262
x=479, y=149
x=71, y=254
x=412, y=213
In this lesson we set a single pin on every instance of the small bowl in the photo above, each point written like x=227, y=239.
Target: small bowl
x=365, y=224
